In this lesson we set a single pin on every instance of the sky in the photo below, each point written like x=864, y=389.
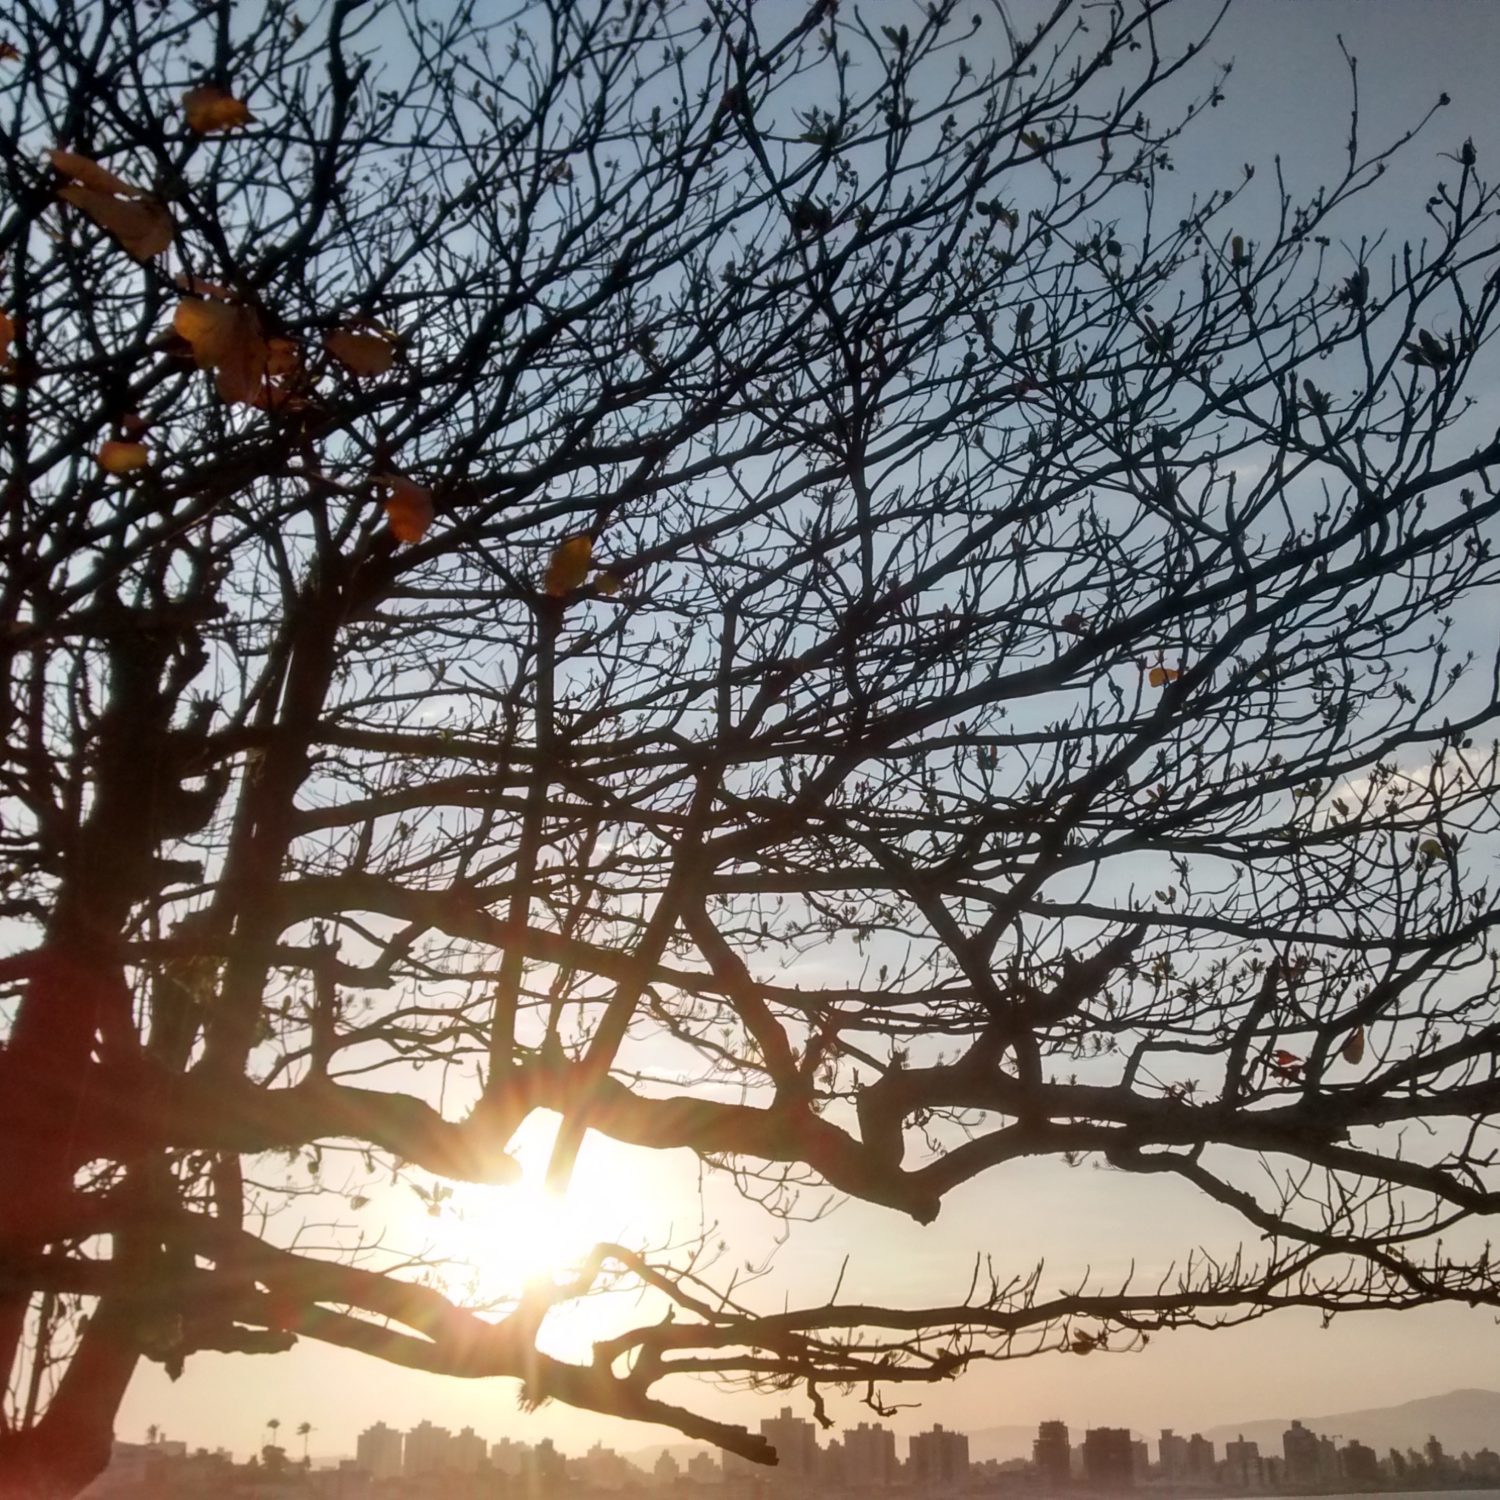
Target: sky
x=1288, y=95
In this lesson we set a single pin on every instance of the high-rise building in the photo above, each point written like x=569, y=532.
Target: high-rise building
x=602, y=1468
x=466, y=1452
x=378, y=1451
x=1299, y=1446
x=1172, y=1454
x=796, y=1443
x=1201, y=1458
x=428, y=1450
x=1052, y=1455
x=869, y=1456
x=1242, y=1462
x=1359, y=1462
x=1108, y=1458
x=938, y=1457
x=703, y=1468
x=509, y=1457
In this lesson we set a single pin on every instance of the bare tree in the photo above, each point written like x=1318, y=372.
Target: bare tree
x=518, y=532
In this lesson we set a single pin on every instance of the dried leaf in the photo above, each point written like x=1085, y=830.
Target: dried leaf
x=1353, y=1050
x=83, y=169
x=284, y=381
x=1074, y=623
x=608, y=584
x=9, y=52
x=360, y=353
x=1432, y=849
x=211, y=108
x=283, y=358
x=143, y=228
x=1284, y=1059
x=569, y=565
x=7, y=334
x=229, y=341
x=122, y=458
x=133, y=425
x=408, y=508
x=1161, y=676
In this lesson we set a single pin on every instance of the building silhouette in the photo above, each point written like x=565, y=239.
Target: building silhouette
x=378, y=1451
x=1201, y=1458
x=938, y=1457
x=1052, y=1455
x=1108, y=1458
x=796, y=1443
x=466, y=1452
x=1299, y=1447
x=1172, y=1454
x=869, y=1454
x=703, y=1468
x=428, y=1450
x=1242, y=1466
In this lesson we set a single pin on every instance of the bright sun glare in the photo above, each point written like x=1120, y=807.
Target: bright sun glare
x=497, y=1240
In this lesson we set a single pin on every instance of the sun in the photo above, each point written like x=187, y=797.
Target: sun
x=494, y=1242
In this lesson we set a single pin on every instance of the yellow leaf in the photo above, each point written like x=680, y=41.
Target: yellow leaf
x=143, y=228
x=360, y=353
x=211, y=108
x=608, y=584
x=1161, y=676
x=122, y=458
x=569, y=565
x=88, y=172
x=408, y=510
x=1353, y=1050
x=1432, y=848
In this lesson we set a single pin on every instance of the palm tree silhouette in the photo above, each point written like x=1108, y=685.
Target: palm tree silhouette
x=303, y=1430
x=273, y=1427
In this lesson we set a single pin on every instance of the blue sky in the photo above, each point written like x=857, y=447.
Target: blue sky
x=1289, y=95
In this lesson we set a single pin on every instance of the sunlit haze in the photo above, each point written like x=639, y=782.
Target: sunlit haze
x=1288, y=95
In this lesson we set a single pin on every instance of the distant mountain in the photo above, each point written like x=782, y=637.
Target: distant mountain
x=645, y=1458
x=1004, y=1443
x=1461, y=1421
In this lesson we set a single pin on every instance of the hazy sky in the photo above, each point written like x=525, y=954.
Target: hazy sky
x=1289, y=95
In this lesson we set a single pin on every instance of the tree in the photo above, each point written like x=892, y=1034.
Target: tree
x=304, y=1431
x=515, y=534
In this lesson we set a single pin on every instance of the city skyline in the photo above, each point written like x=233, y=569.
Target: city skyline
x=865, y=1457
x=872, y=1447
